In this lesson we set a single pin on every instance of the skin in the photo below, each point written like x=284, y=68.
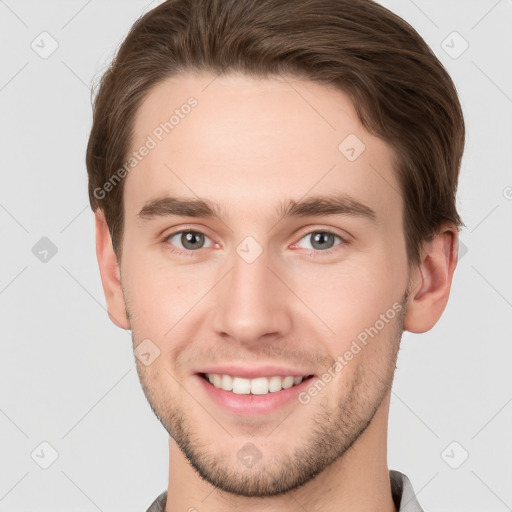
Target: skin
x=248, y=145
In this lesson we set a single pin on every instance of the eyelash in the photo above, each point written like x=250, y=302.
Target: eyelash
x=313, y=252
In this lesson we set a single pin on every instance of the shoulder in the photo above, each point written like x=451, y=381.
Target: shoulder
x=403, y=493
x=159, y=504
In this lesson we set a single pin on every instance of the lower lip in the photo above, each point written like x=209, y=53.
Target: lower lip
x=253, y=404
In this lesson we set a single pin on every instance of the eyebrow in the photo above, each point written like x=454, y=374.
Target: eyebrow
x=338, y=204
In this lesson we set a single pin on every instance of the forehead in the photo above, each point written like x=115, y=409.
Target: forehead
x=247, y=142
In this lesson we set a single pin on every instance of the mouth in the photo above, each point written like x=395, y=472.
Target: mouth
x=255, y=386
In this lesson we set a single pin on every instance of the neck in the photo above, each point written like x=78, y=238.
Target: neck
x=357, y=482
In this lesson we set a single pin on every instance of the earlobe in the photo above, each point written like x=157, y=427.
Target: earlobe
x=110, y=273
x=430, y=283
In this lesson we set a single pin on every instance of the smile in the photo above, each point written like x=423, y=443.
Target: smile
x=256, y=386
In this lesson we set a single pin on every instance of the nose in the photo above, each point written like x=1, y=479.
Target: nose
x=252, y=304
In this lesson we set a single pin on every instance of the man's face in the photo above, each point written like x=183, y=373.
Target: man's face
x=258, y=294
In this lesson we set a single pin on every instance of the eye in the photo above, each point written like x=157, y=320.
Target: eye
x=190, y=241
x=321, y=240
x=187, y=240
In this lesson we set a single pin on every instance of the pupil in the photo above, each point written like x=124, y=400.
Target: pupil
x=319, y=240
x=191, y=240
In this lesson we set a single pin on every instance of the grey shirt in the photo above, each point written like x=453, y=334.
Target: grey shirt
x=401, y=490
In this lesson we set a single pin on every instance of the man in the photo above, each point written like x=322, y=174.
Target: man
x=230, y=141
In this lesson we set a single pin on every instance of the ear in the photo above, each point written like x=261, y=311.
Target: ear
x=110, y=273
x=431, y=280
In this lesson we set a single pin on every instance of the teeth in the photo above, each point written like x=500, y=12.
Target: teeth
x=275, y=384
x=227, y=382
x=257, y=386
x=288, y=382
x=217, y=381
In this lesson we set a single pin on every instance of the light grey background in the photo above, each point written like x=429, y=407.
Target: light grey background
x=67, y=375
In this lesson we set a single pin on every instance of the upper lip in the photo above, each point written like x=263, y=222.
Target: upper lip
x=255, y=372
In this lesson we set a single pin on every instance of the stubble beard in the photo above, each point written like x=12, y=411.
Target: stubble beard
x=333, y=432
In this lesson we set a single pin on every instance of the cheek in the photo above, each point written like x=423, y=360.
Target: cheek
x=350, y=296
x=159, y=295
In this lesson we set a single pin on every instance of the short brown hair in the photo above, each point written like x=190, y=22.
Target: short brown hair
x=400, y=90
